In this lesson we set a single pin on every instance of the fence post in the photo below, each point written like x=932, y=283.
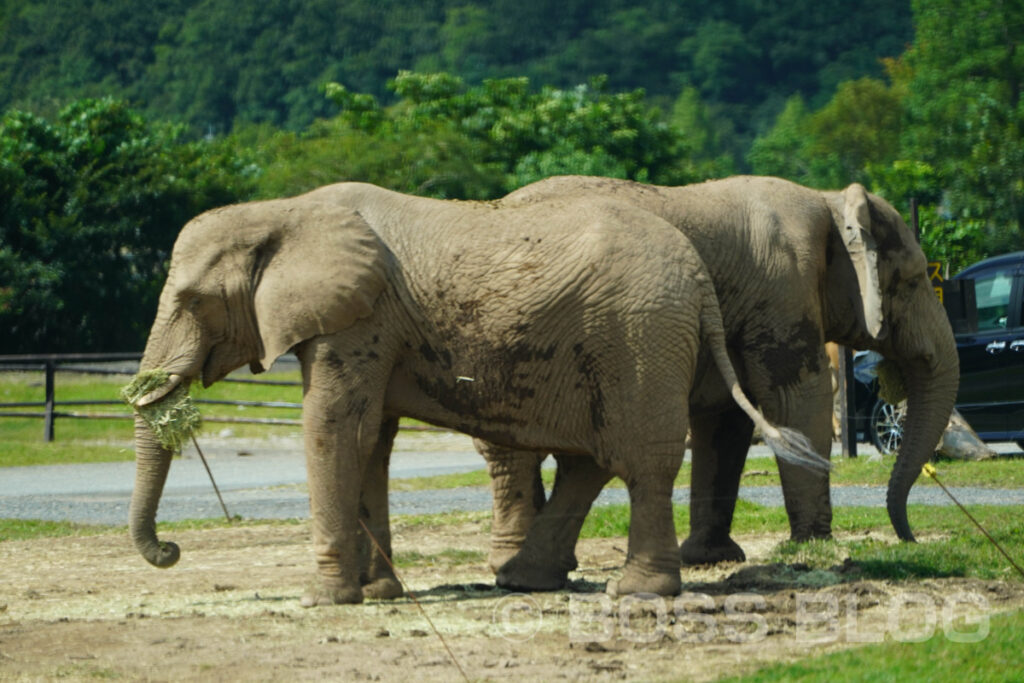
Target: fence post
x=48, y=420
x=847, y=403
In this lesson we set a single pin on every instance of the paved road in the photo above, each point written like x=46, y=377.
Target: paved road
x=265, y=480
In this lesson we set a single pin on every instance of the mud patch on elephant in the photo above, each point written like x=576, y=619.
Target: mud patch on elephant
x=787, y=358
x=229, y=611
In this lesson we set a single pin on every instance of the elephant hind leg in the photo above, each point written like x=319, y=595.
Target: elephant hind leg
x=652, y=561
x=548, y=552
x=719, y=443
x=518, y=495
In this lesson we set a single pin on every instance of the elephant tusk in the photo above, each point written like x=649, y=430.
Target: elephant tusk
x=152, y=397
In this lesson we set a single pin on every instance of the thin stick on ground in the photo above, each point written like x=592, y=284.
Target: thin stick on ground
x=929, y=471
x=412, y=596
x=215, y=489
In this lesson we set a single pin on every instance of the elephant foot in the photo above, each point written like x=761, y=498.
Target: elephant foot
x=384, y=588
x=637, y=580
x=499, y=557
x=520, y=575
x=326, y=592
x=695, y=551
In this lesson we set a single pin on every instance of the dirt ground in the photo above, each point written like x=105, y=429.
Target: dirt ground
x=90, y=607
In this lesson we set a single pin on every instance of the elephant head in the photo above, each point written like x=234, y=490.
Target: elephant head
x=879, y=298
x=245, y=284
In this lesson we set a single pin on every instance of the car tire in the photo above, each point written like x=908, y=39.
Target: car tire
x=887, y=426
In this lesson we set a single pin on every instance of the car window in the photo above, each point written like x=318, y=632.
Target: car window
x=992, y=292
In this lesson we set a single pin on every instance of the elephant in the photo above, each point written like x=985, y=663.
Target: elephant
x=793, y=267
x=570, y=325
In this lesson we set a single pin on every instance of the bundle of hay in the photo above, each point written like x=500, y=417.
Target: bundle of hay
x=174, y=418
x=891, y=387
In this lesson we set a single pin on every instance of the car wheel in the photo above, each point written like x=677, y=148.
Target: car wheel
x=887, y=426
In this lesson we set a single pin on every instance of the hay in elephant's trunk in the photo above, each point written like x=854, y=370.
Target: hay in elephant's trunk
x=174, y=418
x=891, y=387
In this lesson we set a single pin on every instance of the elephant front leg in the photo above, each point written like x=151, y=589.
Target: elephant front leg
x=806, y=406
x=341, y=424
x=548, y=551
x=376, y=576
x=719, y=444
x=518, y=495
x=334, y=477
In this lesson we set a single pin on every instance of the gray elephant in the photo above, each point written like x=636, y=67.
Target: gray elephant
x=793, y=268
x=571, y=325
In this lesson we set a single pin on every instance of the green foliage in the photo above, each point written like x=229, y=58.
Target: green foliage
x=779, y=152
x=445, y=138
x=823, y=92
x=966, y=117
x=859, y=128
x=213, y=63
x=89, y=208
x=994, y=658
x=946, y=130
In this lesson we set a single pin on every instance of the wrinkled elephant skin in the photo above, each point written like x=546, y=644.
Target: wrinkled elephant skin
x=569, y=326
x=793, y=268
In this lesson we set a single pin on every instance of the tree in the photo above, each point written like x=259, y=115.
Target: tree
x=89, y=208
x=780, y=151
x=965, y=113
x=503, y=127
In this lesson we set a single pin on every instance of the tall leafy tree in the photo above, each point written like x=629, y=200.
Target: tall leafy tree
x=966, y=117
x=89, y=208
x=446, y=138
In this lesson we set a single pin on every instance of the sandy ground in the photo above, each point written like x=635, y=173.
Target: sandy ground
x=90, y=607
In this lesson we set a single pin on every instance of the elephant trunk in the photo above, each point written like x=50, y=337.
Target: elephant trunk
x=931, y=384
x=152, y=462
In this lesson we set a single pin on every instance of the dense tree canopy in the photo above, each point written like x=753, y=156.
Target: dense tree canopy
x=89, y=208
x=214, y=62
x=123, y=120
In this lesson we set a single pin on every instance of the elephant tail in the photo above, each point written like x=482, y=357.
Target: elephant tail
x=787, y=444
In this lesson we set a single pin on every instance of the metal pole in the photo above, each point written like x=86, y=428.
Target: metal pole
x=847, y=403
x=913, y=219
x=50, y=366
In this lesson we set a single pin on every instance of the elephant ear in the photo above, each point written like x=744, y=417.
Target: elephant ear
x=319, y=271
x=863, y=250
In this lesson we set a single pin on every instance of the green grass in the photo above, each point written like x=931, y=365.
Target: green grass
x=995, y=658
x=105, y=440
x=960, y=551
x=445, y=481
x=25, y=529
x=447, y=557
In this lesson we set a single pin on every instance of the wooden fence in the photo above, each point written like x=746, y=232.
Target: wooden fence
x=50, y=408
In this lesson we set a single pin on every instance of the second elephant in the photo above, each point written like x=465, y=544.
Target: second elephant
x=793, y=268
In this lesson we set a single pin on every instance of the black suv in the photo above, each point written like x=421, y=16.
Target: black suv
x=989, y=329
